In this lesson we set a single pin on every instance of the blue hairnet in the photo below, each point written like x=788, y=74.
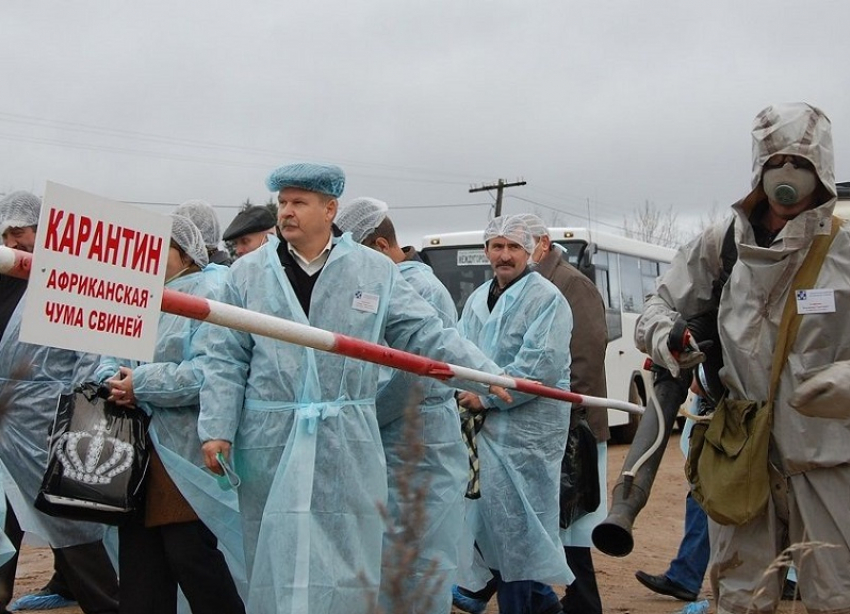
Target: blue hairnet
x=189, y=238
x=203, y=216
x=536, y=226
x=361, y=217
x=19, y=210
x=323, y=178
x=512, y=228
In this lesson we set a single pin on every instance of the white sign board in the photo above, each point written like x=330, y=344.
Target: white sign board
x=472, y=257
x=97, y=275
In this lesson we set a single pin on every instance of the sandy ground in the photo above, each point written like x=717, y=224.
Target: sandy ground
x=657, y=532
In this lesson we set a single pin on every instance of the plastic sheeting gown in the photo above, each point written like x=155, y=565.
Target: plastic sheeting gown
x=520, y=446
x=812, y=452
x=168, y=389
x=445, y=461
x=307, y=445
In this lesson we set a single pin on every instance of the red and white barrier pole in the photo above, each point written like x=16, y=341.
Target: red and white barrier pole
x=17, y=264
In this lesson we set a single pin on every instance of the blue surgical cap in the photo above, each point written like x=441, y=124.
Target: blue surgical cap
x=323, y=178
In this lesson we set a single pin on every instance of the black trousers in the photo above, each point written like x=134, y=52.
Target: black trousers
x=153, y=561
x=583, y=594
x=84, y=573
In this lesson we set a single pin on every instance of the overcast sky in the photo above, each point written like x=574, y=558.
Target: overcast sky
x=598, y=105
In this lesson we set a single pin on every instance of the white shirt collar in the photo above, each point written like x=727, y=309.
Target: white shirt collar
x=315, y=265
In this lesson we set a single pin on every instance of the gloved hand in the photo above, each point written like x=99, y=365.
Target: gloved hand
x=662, y=355
x=826, y=394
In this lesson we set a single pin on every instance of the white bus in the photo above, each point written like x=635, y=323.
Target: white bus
x=623, y=269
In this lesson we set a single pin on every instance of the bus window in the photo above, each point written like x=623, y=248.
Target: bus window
x=648, y=274
x=572, y=251
x=631, y=283
x=608, y=283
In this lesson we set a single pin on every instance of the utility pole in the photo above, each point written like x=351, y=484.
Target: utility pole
x=499, y=186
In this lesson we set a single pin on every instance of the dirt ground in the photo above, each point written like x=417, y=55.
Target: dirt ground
x=657, y=532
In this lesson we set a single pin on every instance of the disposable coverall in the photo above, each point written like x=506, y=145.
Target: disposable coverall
x=521, y=444
x=303, y=426
x=811, y=488
x=444, y=463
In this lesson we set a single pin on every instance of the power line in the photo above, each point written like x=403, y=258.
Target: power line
x=14, y=118
x=558, y=210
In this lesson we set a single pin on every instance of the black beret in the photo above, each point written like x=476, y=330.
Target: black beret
x=253, y=219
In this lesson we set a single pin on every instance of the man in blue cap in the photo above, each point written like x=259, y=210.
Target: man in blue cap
x=302, y=423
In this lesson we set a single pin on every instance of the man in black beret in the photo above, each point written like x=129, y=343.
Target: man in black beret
x=249, y=229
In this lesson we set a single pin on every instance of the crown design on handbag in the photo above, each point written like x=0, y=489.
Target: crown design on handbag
x=93, y=469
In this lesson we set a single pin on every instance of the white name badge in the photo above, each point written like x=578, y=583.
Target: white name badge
x=818, y=300
x=364, y=301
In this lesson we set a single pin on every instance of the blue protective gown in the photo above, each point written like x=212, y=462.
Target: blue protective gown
x=168, y=389
x=303, y=425
x=32, y=377
x=520, y=447
x=444, y=464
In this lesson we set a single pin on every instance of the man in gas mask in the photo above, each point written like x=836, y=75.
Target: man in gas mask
x=775, y=226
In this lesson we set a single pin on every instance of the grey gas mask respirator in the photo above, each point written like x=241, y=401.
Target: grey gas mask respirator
x=788, y=185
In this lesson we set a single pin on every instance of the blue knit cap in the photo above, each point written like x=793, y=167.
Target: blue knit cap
x=323, y=178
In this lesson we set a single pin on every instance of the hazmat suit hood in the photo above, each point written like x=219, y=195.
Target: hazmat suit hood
x=796, y=129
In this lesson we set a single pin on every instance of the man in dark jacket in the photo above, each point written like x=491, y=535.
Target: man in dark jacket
x=587, y=376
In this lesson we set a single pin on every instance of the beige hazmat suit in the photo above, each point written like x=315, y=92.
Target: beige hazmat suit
x=811, y=485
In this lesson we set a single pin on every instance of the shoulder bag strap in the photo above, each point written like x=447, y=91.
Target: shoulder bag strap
x=805, y=277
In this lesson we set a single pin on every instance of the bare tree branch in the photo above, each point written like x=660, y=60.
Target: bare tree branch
x=652, y=225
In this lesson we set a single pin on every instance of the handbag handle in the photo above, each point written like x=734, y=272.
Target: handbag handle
x=805, y=277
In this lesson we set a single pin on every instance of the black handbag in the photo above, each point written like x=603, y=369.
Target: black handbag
x=579, y=475
x=97, y=459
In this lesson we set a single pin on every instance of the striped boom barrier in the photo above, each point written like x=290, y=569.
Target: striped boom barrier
x=17, y=264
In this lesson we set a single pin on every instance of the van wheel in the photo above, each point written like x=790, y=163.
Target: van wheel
x=625, y=433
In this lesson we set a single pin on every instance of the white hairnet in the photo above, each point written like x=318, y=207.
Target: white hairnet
x=512, y=228
x=796, y=129
x=203, y=216
x=189, y=238
x=361, y=217
x=535, y=225
x=19, y=210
